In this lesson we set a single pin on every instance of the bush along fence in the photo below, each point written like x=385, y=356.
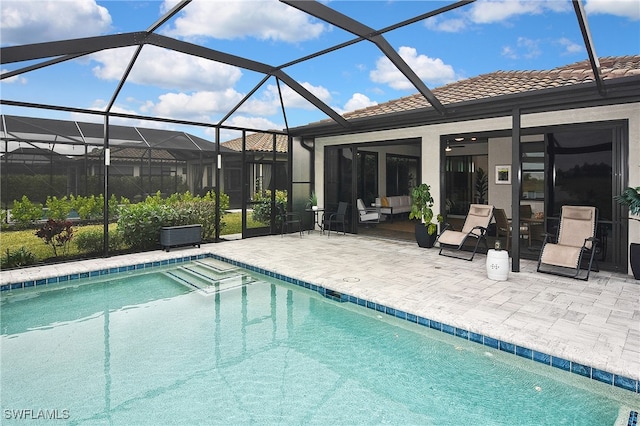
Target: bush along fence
x=137, y=226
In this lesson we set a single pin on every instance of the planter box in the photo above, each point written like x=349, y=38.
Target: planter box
x=175, y=236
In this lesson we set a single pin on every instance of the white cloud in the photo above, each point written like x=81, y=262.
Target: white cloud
x=292, y=99
x=164, y=68
x=15, y=79
x=446, y=25
x=272, y=20
x=569, y=46
x=431, y=70
x=625, y=8
x=35, y=21
x=358, y=101
x=199, y=105
x=525, y=48
x=490, y=11
x=260, y=123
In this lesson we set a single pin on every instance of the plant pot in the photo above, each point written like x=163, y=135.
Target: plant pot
x=634, y=257
x=423, y=238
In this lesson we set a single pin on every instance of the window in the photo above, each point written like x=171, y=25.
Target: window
x=532, y=171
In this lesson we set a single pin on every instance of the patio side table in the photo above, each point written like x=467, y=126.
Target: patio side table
x=498, y=265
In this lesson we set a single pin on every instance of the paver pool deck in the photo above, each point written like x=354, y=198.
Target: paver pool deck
x=594, y=323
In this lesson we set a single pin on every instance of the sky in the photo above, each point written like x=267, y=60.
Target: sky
x=479, y=38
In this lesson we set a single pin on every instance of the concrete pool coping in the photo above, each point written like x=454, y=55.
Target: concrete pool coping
x=594, y=323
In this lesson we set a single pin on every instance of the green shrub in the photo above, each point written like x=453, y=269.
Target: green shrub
x=90, y=207
x=58, y=209
x=57, y=234
x=262, y=210
x=115, y=205
x=18, y=258
x=140, y=224
x=91, y=240
x=24, y=212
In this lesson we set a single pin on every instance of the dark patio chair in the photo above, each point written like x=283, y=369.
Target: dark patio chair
x=287, y=219
x=338, y=217
x=574, y=244
x=474, y=228
x=504, y=227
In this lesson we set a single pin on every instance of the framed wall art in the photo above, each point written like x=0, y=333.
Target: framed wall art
x=503, y=175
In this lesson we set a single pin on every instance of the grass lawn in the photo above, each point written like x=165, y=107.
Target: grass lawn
x=14, y=240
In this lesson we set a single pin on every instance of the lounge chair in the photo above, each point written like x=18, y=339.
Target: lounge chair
x=576, y=238
x=367, y=215
x=475, y=227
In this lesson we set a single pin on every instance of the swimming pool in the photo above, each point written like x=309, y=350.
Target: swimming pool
x=164, y=346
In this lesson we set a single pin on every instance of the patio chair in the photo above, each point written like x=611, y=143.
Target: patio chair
x=338, y=217
x=287, y=219
x=575, y=242
x=504, y=226
x=474, y=228
x=367, y=215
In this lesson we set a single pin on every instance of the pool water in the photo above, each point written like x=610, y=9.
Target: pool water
x=209, y=343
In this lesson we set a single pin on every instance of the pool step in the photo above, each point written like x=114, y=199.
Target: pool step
x=208, y=278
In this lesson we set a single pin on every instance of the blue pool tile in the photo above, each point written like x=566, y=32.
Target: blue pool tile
x=16, y=286
x=362, y=302
x=156, y=263
x=52, y=280
x=633, y=418
x=380, y=308
x=148, y=265
x=390, y=311
x=602, y=376
x=461, y=332
x=424, y=321
x=30, y=283
x=122, y=269
x=448, y=329
x=507, y=347
x=353, y=300
x=401, y=314
x=435, y=325
x=580, y=369
x=84, y=275
x=94, y=273
x=625, y=383
x=561, y=363
x=74, y=277
x=542, y=357
x=62, y=278
x=5, y=287
x=475, y=337
x=412, y=317
x=524, y=352
x=491, y=342
x=41, y=282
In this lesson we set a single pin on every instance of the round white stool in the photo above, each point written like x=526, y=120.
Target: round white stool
x=498, y=265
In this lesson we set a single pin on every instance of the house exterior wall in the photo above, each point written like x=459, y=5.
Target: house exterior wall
x=499, y=148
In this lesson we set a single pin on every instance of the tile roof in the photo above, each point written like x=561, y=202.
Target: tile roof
x=258, y=142
x=507, y=83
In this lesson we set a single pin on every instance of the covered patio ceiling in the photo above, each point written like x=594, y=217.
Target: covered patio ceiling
x=33, y=57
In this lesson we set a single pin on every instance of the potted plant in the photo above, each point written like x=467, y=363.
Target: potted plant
x=313, y=201
x=421, y=204
x=630, y=197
